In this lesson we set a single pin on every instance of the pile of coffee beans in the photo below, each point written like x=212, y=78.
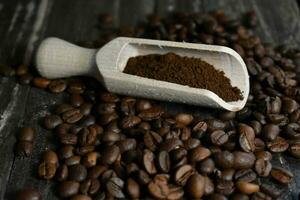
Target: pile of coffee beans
x=116, y=147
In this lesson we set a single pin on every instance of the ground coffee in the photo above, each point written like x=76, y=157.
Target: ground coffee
x=193, y=72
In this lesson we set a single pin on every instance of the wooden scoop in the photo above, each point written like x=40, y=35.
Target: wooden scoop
x=57, y=59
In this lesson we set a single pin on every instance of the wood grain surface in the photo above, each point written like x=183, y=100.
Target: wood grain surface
x=24, y=23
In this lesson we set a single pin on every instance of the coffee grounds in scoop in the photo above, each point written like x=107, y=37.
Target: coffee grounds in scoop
x=189, y=71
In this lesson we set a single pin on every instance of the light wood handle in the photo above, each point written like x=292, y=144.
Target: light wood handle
x=57, y=58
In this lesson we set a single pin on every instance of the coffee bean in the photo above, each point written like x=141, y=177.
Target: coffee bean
x=77, y=172
x=292, y=130
x=278, y=145
x=247, y=175
x=57, y=86
x=208, y=186
x=191, y=143
x=65, y=152
x=182, y=174
x=246, y=138
x=175, y=192
x=158, y=187
x=142, y=177
x=73, y=160
x=289, y=105
x=96, y=171
x=115, y=186
x=41, y=82
x=108, y=118
x=199, y=129
x=62, y=173
x=26, y=134
x=247, y=188
x=24, y=148
x=28, y=194
x=25, y=79
x=216, y=196
x=266, y=155
x=260, y=196
x=243, y=160
x=80, y=197
x=89, y=186
x=215, y=124
x=68, y=188
x=226, y=174
x=90, y=159
x=281, y=175
x=198, y=154
x=87, y=137
x=170, y=144
x=294, y=149
x=148, y=160
x=263, y=167
x=206, y=166
x=224, y=159
x=151, y=114
x=68, y=139
x=270, y=132
x=76, y=87
x=257, y=127
x=239, y=196
x=227, y=115
x=224, y=187
x=50, y=157
x=130, y=122
x=196, y=186
x=184, y=118
x=218, y=137
x=46, y=170
x=72, y=116
x=109, y=97
x=110, y=154
x=52, y=121
x=127, y=106
x=270, y=190
x=163, y=161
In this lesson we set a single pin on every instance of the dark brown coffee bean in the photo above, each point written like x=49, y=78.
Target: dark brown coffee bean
x=246, y=187
x=266, y=155
x=289, y=105
x=270, y=132
x=148, y=161
x=224, y=159
x=96, y=171
x=226, y=174
x=89, y=186
x=170, y=144
x=52, y=121
x=182, y=174
x=246, y=138
x=26, y=134
x=28, y=194
x=108, y=118
x=68, y=139
x=110, y=154
x=68, y=188
x=57, y=86
x=106, y=108
x=72, y=116
x=76, y=100
x=65, y=152
x=175, y=192
x=90, y=159
x=130, y=122
x=198, y=154
x=199, y=129
x=87, y=137
x=292, y=130
x=85, y=108
x=224, y=187
x=178, y=154
x=80, y=197
x=216, y=196
x=24, y=148
x=115, y=186
x=133, y=188
x=215, y=124
x=109, y=97
x=142, y=105
x=270, y=190
x=260, y=196
x=282, y=175
x=218, y=137
x=81, y=151
x=50, y=157
x=191, y=143
x=41, y=82
x=163, y=161
x=158, y=187
x=46, y=170
x=247, y=175
x=151, y=113
x=62, y=173
x=63, y=108
x=184, y=118
x=263, y=167
x=76, y=87
x=243, y=160
x=294, y=149
x=227, y=115
x=142, y=177
x=239, y=196
x=196, y=186
x=209, y=187
x=73, y=160
x=257, y=127
x=77, y=173
x=278, y=145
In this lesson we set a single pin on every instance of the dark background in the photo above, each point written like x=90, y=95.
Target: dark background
x=23, y=24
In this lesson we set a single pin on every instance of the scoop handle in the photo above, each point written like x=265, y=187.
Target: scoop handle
x=56, y=58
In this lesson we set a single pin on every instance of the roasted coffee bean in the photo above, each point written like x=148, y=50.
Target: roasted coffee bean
x=227, y=115
x=163, y=161
x=266, y=155
x=240, y=196
x=224, y=159
x=76, y=87
x=73, y=160
x=52, y=121
x=142, y=105
x=80, y=197
x=195, y=186
x=96, y=171
x=72, y=116
x=191, y=143
x=24, y=148
x=127, y=145
x=208, y=186
x=216, y=196
x=182, y=174
x=57, y=86
x=87, y=120
x=87, y=137
x=130, y=122
x=68, y=188
x=226, y=174
x=90, y=159
x=270, y=132
x=108, y=118
x=46, y=170
x=62, y=173
x=149, y=162
x=86, y=108
x=247, y=175
x=281, y=175
x=28, y=194
x=151, y=114
x=84, y=150
x=175, y=192
x=41, y=82
x=26, y=134
x=127, y=106
x=110, y=154
x=170, y=144
x=110, y=137
x=65, y=152
x=115, y=186
x=289, y=105
x=294, y=149
x=63, y=108
x=246, y=187
x=199, y=129
x=224, y=187
x=270, y=190
x=77, y=172
x=260, y=196
x=263, y=167
x=178, y=154
x=184, y=118
x=89, y=186
x=21, y=69
x=218, y=137
x=106, y=108
x=199, y=154
x=68, y=139
x=133, y=188
x=278, y=145
x=257, y=127
x=215, y=124
x=109, y=97
x=292, y=130
x=158, y=187
x=50, y=157
x=142, y=177
x=206, y=166
x=243, y=160
x=246, y=138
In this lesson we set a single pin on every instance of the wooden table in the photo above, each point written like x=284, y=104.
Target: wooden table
x=24, y=23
